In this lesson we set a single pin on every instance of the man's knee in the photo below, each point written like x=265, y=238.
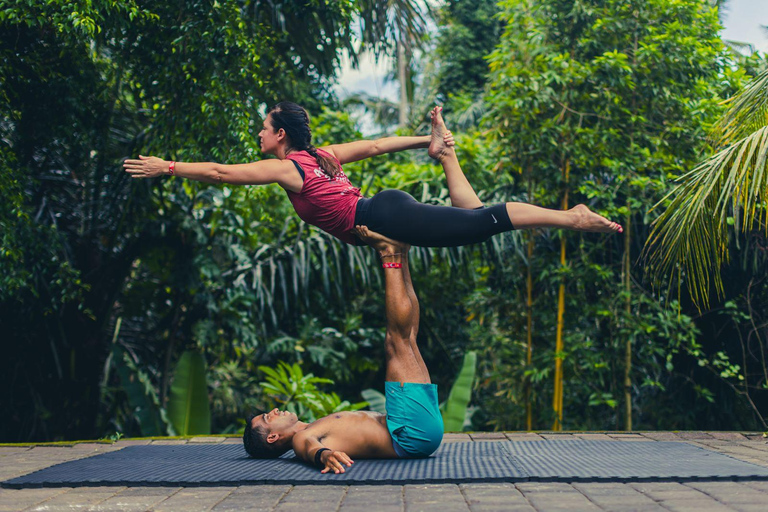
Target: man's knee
x=397, y=343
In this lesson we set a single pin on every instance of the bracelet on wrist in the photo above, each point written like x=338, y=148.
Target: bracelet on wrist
x=317, y=456
x=171, y=168
x=391, y=265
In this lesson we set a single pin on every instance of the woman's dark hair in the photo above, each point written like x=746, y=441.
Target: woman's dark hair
x=255, y=442
x=295, y=121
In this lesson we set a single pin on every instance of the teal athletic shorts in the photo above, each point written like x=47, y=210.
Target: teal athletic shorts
x=413, y=418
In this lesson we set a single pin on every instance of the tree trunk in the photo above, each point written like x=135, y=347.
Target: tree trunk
x=402, y=77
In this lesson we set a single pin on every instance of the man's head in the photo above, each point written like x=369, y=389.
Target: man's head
x=270, y=434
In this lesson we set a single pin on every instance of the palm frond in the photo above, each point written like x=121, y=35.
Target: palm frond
x=386, y=23
x=690, y=240
x=747, y=112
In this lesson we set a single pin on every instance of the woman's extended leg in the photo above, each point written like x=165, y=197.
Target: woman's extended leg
x=461, y=192
x=522, y=215
x=578, y=218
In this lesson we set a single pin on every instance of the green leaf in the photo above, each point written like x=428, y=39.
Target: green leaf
x=141, y=395
x=376, y=400
x=456, y=406
x=188, y=408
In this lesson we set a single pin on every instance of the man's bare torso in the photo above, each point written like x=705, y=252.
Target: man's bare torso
x=361, y=434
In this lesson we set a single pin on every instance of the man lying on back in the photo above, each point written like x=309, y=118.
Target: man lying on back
x=412, y=427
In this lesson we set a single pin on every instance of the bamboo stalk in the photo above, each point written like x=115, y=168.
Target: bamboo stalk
x=557, y=404
x=628, y=309
x=529, y=311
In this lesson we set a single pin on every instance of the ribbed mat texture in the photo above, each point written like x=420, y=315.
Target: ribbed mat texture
x=198, y=465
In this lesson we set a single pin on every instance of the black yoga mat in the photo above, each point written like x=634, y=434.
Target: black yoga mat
x=199, y=465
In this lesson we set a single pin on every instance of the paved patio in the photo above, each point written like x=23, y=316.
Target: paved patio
x=527, y=496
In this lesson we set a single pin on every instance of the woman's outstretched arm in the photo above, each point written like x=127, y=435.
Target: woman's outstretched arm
x=362, y=149
x=262, y=172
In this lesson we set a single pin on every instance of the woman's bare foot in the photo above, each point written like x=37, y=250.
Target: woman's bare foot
x=442, y=139
x=587, y=220
x=385, y=246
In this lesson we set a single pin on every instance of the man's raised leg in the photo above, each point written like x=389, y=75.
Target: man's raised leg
x=404, y=361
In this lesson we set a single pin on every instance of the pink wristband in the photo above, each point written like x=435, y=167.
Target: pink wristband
x=171, y=168
x=391, y=265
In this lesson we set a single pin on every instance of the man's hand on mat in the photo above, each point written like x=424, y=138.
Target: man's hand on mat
x=335, y=461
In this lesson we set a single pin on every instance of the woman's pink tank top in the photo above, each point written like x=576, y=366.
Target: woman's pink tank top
x=325, y=202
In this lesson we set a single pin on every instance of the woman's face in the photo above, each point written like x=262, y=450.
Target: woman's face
x=269, y=138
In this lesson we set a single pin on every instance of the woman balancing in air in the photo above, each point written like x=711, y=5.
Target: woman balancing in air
x=322, y=195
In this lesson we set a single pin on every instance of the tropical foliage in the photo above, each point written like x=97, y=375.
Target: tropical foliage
x=167, y=306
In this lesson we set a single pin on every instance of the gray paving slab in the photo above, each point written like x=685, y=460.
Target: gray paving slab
x=194, y=499
x=434, y=497
x=80, y=498
x=363, y=497
x=135, y=499
x=253, y=497
x=556, y=497
x=19, y=499
x=701, y=505
x=494, y=496
x=731, y=492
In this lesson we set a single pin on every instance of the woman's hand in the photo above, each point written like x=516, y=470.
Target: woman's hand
x=146, y=167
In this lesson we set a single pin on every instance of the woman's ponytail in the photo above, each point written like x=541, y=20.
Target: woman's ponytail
x=294, y=119
x=326, y=163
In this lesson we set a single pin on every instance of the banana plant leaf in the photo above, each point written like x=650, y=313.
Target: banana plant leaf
x=377, y=402
x=455, y=408
x=189, y=408
x=141, y=395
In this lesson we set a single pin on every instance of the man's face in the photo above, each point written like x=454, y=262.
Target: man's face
x=276, y=423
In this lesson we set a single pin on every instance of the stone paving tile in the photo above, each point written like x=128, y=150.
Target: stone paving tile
x=555, y=497
x=194, y=499
x=299, y=497
x=492, y=497
x=434, y=498
x=369, y=498
x=731, y=493
x=661, y=436
x=253, y=497
x=136, y=498
x=693, y=434
x=523, y=436
x=208, y=440
x=594, y=437
x=629, y=437
x=233, y=440
x=13, y=450
x=728, y=436
x=133, y=442
x=555, y=435
x=704, y=505
x=169, y=441
x=669, y=491
x=487, y=436
x=77, y=498
x=456, y=438
x=760, y=485
x=19, y=499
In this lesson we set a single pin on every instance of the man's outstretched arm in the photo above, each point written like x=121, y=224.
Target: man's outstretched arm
x=310, y=449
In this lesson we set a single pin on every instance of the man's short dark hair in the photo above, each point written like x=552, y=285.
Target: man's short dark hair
x=255, y=442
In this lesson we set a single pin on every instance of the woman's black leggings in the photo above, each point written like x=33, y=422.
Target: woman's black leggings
x=397, y=215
